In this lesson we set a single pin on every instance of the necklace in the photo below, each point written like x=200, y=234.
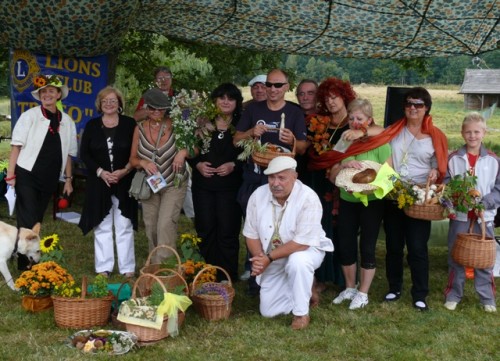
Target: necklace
x=342, y=122
x=404, y=170
x=51, y=130
x=221, y=133
x=160, y=134
x=110, y=124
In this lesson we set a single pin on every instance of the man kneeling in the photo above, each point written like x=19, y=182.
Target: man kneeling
x=287, y=243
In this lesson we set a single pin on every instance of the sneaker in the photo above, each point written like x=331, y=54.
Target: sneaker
x=245, y=276
x=347, y=294
x=359, y=301
x=450, y=305
x=490, y=308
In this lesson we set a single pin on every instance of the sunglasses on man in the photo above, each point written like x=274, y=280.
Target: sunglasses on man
x=276, y=85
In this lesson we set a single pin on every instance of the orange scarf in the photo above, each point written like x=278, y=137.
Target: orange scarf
x=331, y=157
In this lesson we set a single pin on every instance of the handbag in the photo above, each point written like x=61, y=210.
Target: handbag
x=139, y=188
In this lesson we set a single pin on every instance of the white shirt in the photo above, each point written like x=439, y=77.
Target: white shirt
x=30, y=131
x=301, y=221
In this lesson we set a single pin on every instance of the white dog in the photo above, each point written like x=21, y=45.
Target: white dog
x=28, y=243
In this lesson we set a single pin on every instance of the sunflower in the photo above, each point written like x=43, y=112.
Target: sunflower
x=49, y=243
x=39, y=81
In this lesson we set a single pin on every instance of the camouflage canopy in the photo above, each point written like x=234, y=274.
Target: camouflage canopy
x=358, y=29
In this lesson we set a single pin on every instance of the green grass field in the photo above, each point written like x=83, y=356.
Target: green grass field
x=380, y=331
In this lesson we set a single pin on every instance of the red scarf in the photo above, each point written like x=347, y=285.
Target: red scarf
x=331, y=157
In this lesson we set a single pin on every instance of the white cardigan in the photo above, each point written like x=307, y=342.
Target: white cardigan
x=30, y=131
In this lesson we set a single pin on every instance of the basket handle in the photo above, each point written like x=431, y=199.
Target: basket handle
x=148, y=260
x=483, y=226
x=145, y=275
x=177, y=274
x=193, y=285
x=84, y=287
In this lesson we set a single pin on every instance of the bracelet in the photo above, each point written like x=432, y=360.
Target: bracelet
x=364, y=130
x=10, y=178
x=99, y=172
x=271, y=259
x=68, y=177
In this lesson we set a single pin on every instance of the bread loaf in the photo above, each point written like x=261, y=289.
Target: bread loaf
x=365, y=176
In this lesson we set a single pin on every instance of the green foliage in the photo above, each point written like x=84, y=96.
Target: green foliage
x=460, y=194
x=156, y=296
x=99, y=287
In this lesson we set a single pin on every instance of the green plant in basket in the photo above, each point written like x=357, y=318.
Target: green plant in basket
x=67, y=289
x=99, y=287
x=189, y=248
x=461, y=195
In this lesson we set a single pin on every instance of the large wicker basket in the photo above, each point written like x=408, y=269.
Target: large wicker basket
x=474, y=250
x=82, y=312
x=146, y=335
x=212, y=307
x=263, y=158
x=170, y=281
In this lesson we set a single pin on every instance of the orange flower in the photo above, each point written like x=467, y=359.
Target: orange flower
x=39, y=81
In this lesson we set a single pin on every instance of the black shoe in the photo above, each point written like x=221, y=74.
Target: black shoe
x=421, y=306
x=253, y=287
x=392, y=296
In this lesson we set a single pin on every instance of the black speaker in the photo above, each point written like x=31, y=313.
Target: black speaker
x=394, y=109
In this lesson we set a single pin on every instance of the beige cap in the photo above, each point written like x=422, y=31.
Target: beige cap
x=279, y=164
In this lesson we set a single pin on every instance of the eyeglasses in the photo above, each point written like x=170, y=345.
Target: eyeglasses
x=276, y=85
x=153, y=109
x=164, y=78
x=109, y=101
x=416, y=105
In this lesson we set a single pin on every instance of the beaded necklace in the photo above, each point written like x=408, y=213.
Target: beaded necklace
x=51, y=130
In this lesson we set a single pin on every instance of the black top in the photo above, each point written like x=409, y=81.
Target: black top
x=94, y=153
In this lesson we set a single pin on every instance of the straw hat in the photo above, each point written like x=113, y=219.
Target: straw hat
x=42, y=81
x=344, y=178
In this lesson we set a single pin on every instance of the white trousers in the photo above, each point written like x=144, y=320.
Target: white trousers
x=286, y=284
x=124, y=238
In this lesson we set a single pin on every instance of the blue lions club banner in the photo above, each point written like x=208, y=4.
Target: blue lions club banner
x=85, y=77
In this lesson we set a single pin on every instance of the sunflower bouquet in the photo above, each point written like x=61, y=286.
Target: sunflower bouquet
x=42, y=279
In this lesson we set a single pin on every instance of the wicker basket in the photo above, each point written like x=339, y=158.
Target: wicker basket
x=82, y=312
x=212, y=307
x=146, y=335
x=427, y=211
x=170, y=281
x=263, y=158
x=474, y=250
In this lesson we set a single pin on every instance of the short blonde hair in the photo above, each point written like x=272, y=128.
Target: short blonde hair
x=474, y=117
x=361, y=104
x=104, y=93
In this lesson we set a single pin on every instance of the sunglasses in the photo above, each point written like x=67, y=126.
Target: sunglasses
x=276, y=85
x=416, y=105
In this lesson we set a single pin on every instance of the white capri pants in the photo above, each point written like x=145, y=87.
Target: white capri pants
x=286, y=284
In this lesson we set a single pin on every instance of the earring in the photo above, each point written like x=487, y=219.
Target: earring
x=120, y=110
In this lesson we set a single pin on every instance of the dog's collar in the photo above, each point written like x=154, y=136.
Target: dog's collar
x=17, y=242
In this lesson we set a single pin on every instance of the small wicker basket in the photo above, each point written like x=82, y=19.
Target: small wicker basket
x=212, y=307
x=170, y=281
x=426, y=211
x=146, y=335
x=263, y=158
x=474, y=250
x=82, y=312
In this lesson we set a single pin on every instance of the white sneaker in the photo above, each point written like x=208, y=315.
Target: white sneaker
x=245, y=276
x=359, y=301
x=347, y=294
x=490, y=308
x=450, y=305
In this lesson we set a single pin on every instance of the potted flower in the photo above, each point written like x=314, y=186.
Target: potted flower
x=37, y=284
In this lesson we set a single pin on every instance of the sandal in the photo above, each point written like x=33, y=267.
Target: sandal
x=421, y=306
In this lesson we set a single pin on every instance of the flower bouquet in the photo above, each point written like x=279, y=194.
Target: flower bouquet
x=318, y=135
x=37, y=284
x=193, y=261
x=462, y=196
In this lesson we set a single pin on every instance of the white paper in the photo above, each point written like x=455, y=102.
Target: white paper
x=11, y=198
x=156, y=182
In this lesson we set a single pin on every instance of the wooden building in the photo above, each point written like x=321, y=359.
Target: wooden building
x=481, y=88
